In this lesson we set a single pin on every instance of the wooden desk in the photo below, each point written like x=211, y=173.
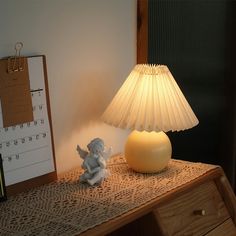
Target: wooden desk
x=185, y=199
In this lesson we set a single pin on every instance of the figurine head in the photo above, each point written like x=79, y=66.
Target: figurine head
x=96, y=146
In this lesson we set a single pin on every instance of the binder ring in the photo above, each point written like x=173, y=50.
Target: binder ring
x=18, y=47
x=16, y=63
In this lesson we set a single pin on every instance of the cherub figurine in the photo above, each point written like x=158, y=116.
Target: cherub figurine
x=94, y=162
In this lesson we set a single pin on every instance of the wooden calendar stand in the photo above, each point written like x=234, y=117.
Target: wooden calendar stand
x=27, y=148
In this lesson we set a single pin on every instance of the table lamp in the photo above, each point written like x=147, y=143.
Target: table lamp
x=150, y=103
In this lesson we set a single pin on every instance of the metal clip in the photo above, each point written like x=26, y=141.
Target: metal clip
x=16, y=63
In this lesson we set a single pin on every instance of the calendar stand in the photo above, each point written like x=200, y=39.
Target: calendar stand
x=28, y=149
x=31, y=183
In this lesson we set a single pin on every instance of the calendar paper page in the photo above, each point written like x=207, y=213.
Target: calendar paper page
x=27, y=148
x=15, y=95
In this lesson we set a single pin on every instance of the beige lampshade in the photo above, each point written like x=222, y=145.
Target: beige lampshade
x=150, y=100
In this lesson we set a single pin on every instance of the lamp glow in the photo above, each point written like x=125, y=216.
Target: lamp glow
x=149, y=100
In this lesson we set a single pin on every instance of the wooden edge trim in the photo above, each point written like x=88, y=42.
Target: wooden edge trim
x=49, y=110
x=227, y=194
x=142, y=31
x=150, y=207
x=31, y=183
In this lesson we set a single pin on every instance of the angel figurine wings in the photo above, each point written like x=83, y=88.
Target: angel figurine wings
x=94, y=162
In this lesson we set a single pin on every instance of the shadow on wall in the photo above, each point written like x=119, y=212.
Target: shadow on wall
x=85, y=99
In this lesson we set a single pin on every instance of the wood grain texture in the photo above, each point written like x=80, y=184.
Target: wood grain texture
x=195, y=195
x=227, y=194
x=178, y=216
x=143, y=210
x=227, y=228
x=26, y=185
x=143, y=226
x=142, y=31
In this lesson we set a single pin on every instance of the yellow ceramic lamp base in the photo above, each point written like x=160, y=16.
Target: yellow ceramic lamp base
x=148, y=152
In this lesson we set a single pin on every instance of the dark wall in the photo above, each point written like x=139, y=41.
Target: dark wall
x=195, y=39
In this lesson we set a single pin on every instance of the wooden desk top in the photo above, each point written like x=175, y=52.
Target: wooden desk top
x=67, y=207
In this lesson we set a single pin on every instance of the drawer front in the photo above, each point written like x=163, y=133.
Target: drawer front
x=193, y=213
x=227, y=229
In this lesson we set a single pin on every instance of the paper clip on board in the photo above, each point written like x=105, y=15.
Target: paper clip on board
x=16, y=63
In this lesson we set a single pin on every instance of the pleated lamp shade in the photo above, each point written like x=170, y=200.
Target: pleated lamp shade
x=150, y=100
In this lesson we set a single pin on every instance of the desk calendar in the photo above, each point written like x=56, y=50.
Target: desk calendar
x=27, y=148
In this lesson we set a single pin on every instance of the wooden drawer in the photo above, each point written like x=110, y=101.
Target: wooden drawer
x=227, y=228
x=182, y=216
